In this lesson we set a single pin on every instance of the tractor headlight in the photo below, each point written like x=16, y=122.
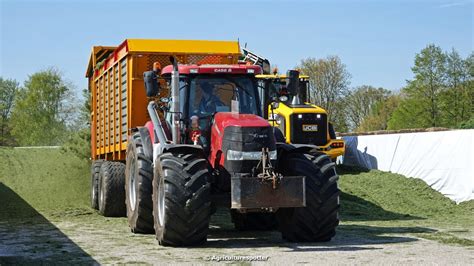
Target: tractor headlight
x=249, y=155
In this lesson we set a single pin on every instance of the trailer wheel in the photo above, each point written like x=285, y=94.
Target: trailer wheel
x=254, y=221
x=138, y=187
x=111, y=189
x=317, y=221
x=181, y=199
x=95, y=169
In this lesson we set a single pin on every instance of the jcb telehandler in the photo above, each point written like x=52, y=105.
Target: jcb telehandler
x=204, y=144
x=291, y=111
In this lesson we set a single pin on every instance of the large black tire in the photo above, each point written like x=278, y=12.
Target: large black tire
x=138, y=187
x=181, y=199
x=317, y=221
x=254, y=221
x=112, y=189
x=95, y=169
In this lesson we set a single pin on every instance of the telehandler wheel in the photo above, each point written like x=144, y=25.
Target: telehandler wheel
x=95, y=169
x=138, y=187
x=254, y=221
x=111, y=189
x=317, y=221
x=181, y=199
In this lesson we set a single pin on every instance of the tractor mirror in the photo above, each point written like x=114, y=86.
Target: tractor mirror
x=151, y=83
x=293, y=81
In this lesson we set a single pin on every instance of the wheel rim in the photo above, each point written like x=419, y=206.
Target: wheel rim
x=161, y=202
x=132, y=192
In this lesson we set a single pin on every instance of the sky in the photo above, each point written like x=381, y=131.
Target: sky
x=376, y=40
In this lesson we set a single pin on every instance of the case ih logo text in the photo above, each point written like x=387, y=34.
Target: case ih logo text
x=223, y=70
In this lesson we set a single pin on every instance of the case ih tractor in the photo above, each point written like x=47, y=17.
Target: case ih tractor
x=203, y=145
x=298, y=120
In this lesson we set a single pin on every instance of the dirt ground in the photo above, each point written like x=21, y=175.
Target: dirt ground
x=84, y=237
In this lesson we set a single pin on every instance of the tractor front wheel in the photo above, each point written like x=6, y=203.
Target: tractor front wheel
x=181, y=199
x=317, y=221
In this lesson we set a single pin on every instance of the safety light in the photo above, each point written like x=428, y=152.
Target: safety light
x=300, y=116
x=318, y=116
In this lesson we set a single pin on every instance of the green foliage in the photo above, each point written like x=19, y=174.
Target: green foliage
x=440, y=95
x=380, y=114
x=361, y=101
x=467, y=124
x=78, y=142
x=42, y=110
x=8, y=91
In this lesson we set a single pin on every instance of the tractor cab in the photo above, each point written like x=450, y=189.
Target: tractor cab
x=206, y=90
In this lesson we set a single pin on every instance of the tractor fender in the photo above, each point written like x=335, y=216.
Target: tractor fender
x=183, y=148
x=283, y=149
x=146, y=140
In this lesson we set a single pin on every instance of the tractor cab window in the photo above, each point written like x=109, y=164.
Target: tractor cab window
x=212, y=94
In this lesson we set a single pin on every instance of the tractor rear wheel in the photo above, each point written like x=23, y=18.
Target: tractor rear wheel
x=111, y=189
x=317, y=221
x=181, y=199
x=138, y=187
x=95, y=169
x=254, y=221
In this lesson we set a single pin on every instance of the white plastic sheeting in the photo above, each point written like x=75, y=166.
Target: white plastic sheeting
x=444, y=159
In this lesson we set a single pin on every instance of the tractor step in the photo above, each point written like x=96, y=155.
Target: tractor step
x=252, y=192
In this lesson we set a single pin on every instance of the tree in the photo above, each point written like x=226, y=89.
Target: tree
x=456, y=101
x=8, y=91
x=361, y=101
x=380, y=114
x=78, y=142
x=421, y=102
x=430, y=75
x=329, y=83
x=43, y=110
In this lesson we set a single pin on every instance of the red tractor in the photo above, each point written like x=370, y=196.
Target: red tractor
x=207, y=145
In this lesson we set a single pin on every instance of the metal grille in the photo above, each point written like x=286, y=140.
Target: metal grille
x=298, y=136
x=208, y=59
x=162, y=59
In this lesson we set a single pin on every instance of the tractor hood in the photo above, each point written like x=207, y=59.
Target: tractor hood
x=223, y=120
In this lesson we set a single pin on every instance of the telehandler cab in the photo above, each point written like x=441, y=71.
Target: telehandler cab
x=298, y=120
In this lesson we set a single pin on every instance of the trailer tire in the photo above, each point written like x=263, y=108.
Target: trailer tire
x=181, y=199
x=317, y=221
x=112, y=189
x=95, y=169
x=254, y=221
x=138, y=187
